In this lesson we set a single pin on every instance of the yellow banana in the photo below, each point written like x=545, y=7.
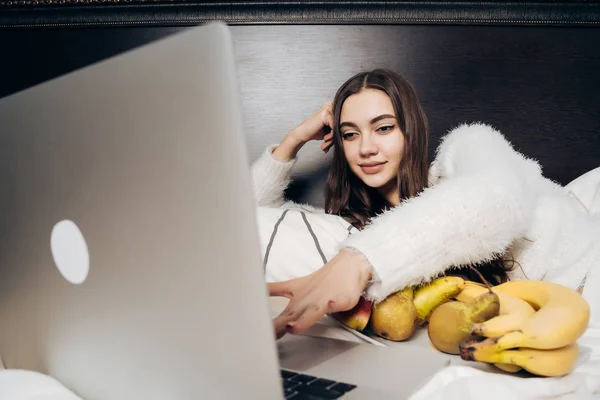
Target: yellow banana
x=513, y=311
x=561, y=318
x=553, y=362
x=508, y=367
x=430, y=295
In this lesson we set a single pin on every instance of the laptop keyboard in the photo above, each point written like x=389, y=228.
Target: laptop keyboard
x=307, y=387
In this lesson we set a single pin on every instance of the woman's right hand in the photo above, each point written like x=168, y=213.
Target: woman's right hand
x=317, y=127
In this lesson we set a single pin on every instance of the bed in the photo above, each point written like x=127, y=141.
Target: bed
x=528, y=69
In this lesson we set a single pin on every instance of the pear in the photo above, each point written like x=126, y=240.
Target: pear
x=450, y=323
x=395, y=318
x=356, y=318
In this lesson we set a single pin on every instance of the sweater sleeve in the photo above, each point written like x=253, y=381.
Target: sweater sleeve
x=481, y=201
x=270, y=178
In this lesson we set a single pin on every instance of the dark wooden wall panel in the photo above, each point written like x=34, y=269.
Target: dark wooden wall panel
x=539, y=85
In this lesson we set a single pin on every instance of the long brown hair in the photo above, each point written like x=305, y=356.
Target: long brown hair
x=348, y=196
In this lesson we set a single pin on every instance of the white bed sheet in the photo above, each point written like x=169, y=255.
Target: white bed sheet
x=471, y=383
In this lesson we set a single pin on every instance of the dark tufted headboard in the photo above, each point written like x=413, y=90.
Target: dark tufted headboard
x=530, y=69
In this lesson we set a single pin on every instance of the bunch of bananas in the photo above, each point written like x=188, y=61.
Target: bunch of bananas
x=532, y=325
x=537, y=328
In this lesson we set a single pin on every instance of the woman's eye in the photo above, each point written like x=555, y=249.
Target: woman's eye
x=348, y=135
x=386, y=128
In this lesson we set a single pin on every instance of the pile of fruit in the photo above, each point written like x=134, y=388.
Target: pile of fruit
x=529, y=324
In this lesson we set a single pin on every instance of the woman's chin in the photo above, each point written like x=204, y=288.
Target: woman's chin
x=374, y=182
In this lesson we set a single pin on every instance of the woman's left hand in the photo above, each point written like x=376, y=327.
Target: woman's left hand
x=337, y=286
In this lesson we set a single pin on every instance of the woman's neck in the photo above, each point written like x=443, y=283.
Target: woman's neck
x=390, y=193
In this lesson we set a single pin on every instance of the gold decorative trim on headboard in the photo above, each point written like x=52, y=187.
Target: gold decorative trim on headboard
x=88, y=13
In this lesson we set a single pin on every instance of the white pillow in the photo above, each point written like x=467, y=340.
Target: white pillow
x=585, y=189
x=17, y=384
x=295, y=252
x=295, y=242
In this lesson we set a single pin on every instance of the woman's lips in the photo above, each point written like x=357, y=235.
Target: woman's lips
x=372, y=168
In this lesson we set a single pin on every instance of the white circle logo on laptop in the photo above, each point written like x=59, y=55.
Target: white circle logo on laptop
x=70, y=252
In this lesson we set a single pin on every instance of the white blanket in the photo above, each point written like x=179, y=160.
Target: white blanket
x=469, y=383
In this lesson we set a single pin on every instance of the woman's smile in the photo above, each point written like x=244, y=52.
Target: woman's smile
x=372, y=168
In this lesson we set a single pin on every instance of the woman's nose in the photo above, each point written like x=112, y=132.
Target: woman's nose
x=368, y=146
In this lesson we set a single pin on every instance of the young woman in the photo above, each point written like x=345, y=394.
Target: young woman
x=479, y=201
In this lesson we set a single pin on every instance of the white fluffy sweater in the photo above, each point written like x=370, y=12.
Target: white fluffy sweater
x=484, y=199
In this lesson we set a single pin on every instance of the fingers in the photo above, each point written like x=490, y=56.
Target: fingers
x=280, y=325
x=301, y=315
x=307, y=318
x=281, y=289
x=327, y=117
x=328, y=121
x=285, y=321
x=279, y=333
x=326, y=145
x=327, y=142
x=296, y=319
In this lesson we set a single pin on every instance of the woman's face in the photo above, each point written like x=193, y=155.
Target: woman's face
x=372, y=140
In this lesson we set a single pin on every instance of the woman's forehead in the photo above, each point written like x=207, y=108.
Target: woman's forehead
x=365, y=105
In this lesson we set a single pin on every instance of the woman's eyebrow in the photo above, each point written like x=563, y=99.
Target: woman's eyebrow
x=374, y=120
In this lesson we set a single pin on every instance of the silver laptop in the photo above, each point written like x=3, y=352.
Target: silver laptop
x=129, y=259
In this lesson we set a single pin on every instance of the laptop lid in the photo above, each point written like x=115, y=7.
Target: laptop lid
x=129, y=261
